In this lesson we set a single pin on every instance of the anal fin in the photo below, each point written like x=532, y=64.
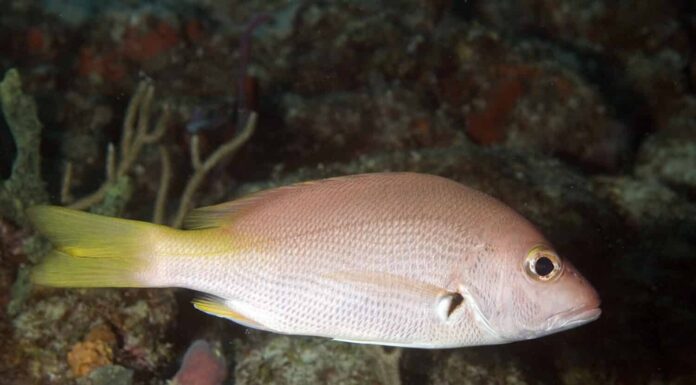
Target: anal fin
x=217, y=307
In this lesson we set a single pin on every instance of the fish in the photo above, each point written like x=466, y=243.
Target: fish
x=395, y=259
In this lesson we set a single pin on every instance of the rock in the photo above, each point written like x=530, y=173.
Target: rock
x=467, y=367
x=295, y=360
x=605, y=26
x=648, y=204
x=203, y=364
x=670, y=155
x=54, y=321
x=342, y=125
x=111, y=375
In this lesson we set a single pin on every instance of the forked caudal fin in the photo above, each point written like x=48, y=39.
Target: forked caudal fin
x=92, y=250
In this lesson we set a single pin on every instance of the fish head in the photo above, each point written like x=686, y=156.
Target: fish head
x=540, y=293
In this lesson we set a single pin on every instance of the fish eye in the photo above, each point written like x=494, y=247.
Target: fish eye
x=542, y=264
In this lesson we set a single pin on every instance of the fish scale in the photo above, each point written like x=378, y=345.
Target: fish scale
x=309, y=297
x=398, y=259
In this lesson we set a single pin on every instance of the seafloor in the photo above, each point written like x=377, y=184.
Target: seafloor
x=579, y=114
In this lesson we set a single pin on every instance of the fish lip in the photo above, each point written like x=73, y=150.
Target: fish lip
x=584, y=315
x=574, y=317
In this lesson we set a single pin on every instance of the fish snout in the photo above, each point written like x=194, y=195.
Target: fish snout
x=580, y=299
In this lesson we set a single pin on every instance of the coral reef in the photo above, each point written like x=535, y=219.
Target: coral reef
x=114, y=193
x=86, y=356
x=669, y=155
x=385, y=117
x=24, y=187
x=111, y=375
x=11, y=257
x=60, y=331
x=94, y=352
x=266, y=359
x=580, y=115
x=469, y=368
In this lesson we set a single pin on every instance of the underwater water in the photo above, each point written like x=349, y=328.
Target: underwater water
x=580, y=115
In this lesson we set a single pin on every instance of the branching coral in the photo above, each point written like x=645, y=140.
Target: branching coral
x=202, y=168
x=25, y=187
x=136, y=134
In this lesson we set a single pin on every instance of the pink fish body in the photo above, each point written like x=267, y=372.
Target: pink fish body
x=399, y=259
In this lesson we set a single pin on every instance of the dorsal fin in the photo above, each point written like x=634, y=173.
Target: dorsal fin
x=224, y=213
x=217, y=307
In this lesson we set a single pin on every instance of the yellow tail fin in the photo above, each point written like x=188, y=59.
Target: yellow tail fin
x=93, y=250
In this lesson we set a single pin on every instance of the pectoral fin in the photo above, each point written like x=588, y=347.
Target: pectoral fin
x=448, y=303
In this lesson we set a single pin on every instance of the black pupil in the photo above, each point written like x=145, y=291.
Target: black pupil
x=543, y=266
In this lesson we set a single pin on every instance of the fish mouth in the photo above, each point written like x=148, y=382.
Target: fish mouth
x=573, y=318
